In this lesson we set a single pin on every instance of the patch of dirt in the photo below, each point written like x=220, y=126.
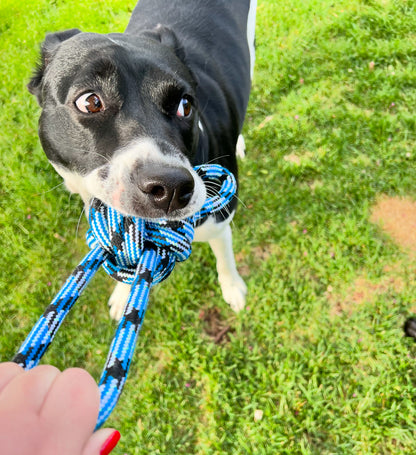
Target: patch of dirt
x=215, y=326
x=293, y=158
x=297, y=159
x=397, y=217
x=363, y=290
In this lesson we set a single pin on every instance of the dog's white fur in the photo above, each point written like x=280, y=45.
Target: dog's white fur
x=119, y=168
x=251, y=33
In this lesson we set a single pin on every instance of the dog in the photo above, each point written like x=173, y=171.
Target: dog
x=126, y=116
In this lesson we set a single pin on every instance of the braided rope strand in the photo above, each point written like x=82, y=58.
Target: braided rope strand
x=43, y=332
x=137, y=252
x=122, y=348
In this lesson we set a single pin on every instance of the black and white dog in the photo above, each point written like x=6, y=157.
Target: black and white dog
x=125, y=117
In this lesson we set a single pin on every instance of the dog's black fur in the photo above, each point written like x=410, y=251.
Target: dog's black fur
x=126, y=116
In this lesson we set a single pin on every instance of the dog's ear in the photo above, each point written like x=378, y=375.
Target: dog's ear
x=168, y=38
x=48, y=49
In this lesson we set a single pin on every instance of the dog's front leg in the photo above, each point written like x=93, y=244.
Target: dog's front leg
x=219, y=237
x=118, y=300
x=232, y=285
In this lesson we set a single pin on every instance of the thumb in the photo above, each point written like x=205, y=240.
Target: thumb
x=102, y=442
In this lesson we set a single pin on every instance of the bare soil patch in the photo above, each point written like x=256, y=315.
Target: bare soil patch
x=215, y=326
x=364, y=290
x=397, y=218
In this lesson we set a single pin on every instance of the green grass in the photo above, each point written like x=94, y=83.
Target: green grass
x=327, y=132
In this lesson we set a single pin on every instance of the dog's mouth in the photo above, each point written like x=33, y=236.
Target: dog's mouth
x=159, y=187
x=152, y=192
x=156, y=192
x=140, y=181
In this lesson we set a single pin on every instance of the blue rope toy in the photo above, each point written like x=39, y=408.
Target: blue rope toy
x=138, y=252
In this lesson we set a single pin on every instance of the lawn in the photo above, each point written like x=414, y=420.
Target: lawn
x=317, y=363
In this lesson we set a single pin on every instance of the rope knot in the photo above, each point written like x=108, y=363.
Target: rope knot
x=126, y=238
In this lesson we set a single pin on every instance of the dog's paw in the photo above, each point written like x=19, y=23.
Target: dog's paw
x=241, y=147
x=118, y=300
x=234, y=292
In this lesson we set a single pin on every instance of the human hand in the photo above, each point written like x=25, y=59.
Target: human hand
x=46, y=412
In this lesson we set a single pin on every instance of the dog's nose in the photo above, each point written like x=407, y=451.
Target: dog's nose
x=168, y=189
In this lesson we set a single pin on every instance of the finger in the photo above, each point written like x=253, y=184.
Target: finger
x=28, y=390
x=102, y=442
x=71, y=409
x=8, y=371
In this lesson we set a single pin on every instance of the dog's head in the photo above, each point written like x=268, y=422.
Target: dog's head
x=119, y=120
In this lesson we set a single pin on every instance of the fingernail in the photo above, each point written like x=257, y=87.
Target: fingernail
x=110, y=443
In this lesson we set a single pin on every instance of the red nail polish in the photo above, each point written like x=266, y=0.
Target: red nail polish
x=110, y=443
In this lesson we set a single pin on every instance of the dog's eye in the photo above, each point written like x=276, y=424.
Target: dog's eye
x=184, y=108
x=89, y=103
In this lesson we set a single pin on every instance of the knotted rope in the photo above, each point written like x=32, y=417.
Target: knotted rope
x=137, y=252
